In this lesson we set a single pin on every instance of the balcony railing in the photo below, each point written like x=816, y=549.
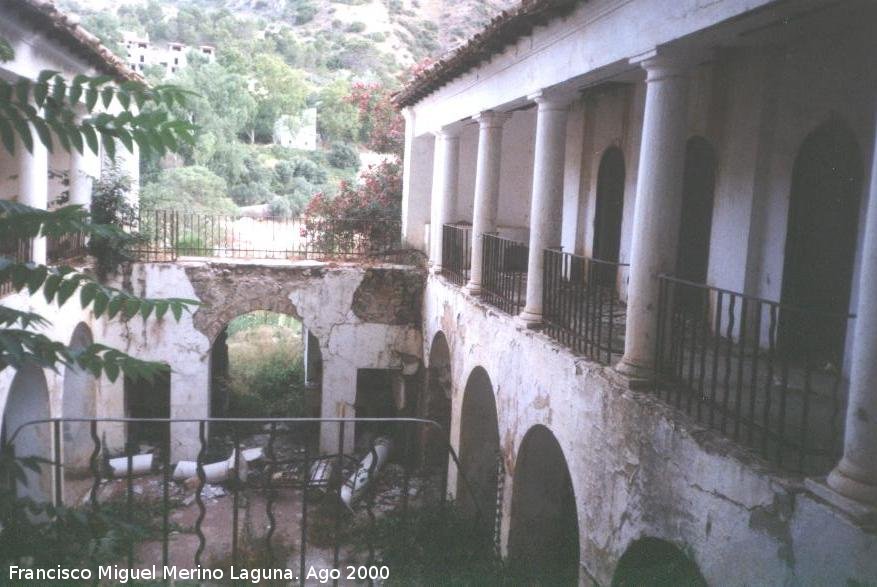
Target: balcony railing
x=257, y=488
x=66, y=248
x=16, y=250
x=504, y=273
x=169, y=234
x=740, y=365
x=456, y=252
x=581, y=307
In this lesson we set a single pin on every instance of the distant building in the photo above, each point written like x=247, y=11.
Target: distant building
x=173, y=56
x=297, y=132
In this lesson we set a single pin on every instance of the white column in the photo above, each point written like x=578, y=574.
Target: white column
x=80, y=179
x=546, y=208
x=444, y=189
x=855, y=476
x=486, y=189
x=657, y=209
x=33, y=187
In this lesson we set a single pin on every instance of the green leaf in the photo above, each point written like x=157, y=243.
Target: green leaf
x=90, y=137
x=36, y=277
x=87, y=294
x=109, y=144
x=22, y=91
x=50, y=287
x=43, y=133
x=40, y=91
x=177, y=310
x=91, y=96
x=100, y=303
x=107, y=96
x=67, y=289
x=7, y=136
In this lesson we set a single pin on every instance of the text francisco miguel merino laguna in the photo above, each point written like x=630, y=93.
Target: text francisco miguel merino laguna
x=124, y=574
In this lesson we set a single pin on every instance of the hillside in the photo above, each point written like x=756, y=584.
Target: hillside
x=404, y=31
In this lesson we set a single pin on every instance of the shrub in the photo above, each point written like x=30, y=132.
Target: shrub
x=343, y=156
x=249, y=194
x=356, y=27
x=188, y=189
x=266, y=372
x=109, y=205
x=310, y=171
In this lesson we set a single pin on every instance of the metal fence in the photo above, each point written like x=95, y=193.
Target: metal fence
x=581, y=306
x=728, y=360
x=504, y=267
x=16, y=250
x=456, y=253
x=291, y=507
x=66, y=248
x=165, y=234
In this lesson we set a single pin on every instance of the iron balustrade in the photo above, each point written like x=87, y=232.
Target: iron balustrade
x=66, y=248
x=581, y=306
x=504, y=273
x=167, y=235
x=290, y=482
x=15, y=250
x=456, y=252
x=724, y=358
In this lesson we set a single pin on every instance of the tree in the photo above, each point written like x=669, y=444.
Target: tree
x=188, y=189
x=382, y=127
x=337, y=116
x=281, y=90
x=43, y=532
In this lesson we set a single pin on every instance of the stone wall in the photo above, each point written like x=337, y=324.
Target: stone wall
x=362, y=316
x=638, y=467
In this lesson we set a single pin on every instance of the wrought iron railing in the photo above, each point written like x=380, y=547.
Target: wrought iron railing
x=581, y=306
x=504, y=273
x=66, y=248
x=456, y=252
x=16, y=250
x=331, y=498
x=730, y=361
x=168, y=234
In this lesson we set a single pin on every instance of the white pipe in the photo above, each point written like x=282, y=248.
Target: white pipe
x=353, y=488
x=140, y=465
x=213, y=472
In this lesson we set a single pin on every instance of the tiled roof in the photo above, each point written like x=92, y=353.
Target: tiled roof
x=503, y=30
x=65, y=29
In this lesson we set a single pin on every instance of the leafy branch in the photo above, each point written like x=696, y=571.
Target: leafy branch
x=47, y=107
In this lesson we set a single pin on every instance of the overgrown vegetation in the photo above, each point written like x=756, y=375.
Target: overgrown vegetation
x=266, y=368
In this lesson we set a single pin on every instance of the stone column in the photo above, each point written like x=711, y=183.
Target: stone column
x=855, y=476
x=444, y=189
x=657, y=209
x=486, y=189
x=80, y=179
x=33, y=187
x=546, y=205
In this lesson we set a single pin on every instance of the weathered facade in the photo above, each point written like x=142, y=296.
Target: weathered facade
x=675, y=158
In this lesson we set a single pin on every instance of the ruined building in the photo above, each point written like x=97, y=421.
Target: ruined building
x=645, y=325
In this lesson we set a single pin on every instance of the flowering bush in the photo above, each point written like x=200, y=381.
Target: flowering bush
x=382, y=128
x=362, y=217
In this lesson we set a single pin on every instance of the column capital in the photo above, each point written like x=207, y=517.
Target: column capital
x=665, y=63
x=448, y=132
x=491, y=118
x=551, y=99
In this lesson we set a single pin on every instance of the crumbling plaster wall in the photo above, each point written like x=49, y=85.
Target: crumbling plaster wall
x=363, y=317
x=638, y=467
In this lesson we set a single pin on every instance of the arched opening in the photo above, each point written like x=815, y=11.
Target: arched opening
x=695, y=227
x=652, y=562
x=480, y=457
x=608, y=213
x=820, y=244
x=544, y=532
x=435, y=404
x=264, y=364
x=28, y=401
x=78, y=401
x=145, y=399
